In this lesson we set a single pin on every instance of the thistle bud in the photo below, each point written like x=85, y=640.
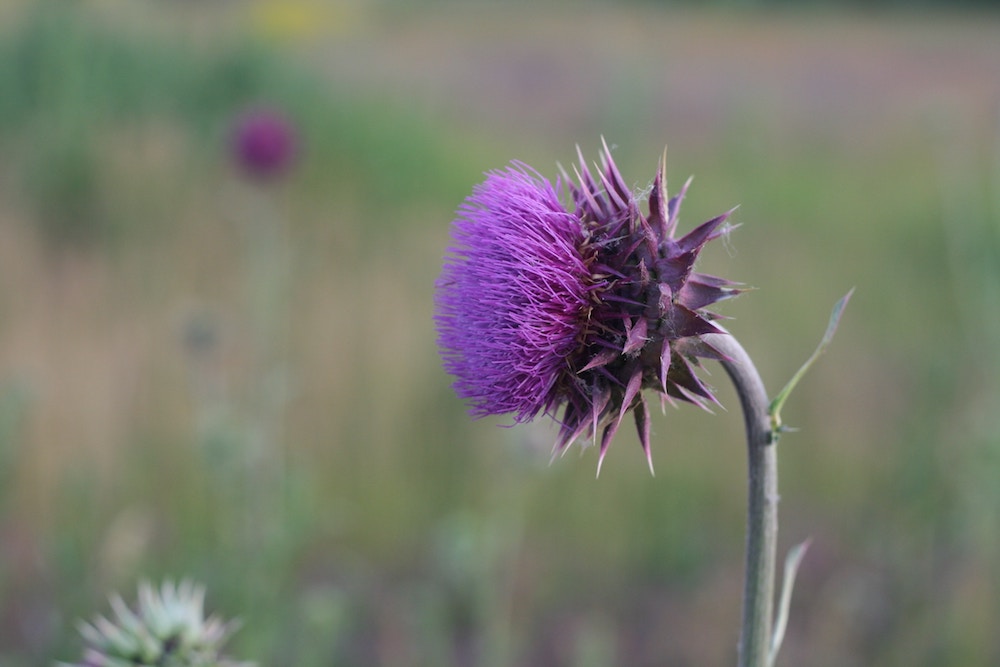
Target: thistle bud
x=264, y=144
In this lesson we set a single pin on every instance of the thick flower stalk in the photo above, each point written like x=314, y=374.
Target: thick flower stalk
x=568, y=300
x=168, y=628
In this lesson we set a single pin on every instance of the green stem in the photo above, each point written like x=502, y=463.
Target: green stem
x=762, y=508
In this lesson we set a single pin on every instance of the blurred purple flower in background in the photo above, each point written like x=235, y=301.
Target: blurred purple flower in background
x=264, y=143
x=542, y=306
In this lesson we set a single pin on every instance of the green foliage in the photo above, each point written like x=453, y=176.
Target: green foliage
x=70, y=87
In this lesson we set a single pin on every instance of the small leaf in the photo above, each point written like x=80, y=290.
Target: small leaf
x=779, y=401
x=792, y=562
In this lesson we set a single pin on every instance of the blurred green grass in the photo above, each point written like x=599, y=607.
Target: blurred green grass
x=300, y=450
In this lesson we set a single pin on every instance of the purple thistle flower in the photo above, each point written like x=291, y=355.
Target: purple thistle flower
x=264, y=143
x=544, y=306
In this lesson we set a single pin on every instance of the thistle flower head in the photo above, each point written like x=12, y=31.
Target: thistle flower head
x=167, y=629
x=566, y=299
x=264, y=143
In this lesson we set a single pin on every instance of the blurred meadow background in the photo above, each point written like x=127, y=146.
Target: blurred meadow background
x=233, y=380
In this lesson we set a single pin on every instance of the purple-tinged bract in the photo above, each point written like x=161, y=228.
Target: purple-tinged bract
x=567, y=300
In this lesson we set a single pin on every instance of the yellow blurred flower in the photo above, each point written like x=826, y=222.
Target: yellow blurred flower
x=293, y=20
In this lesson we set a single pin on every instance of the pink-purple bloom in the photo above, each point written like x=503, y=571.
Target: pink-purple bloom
x=264, y=143
x=565, y=299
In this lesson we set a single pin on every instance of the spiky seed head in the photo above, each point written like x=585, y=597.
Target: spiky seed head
x=167, y=628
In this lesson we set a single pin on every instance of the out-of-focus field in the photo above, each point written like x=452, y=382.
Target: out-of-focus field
x=204, y=377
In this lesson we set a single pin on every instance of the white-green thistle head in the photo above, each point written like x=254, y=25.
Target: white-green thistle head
x=168, y=628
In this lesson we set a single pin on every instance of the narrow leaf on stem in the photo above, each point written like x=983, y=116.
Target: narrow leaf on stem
x=792, y=562
x=779, y=401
